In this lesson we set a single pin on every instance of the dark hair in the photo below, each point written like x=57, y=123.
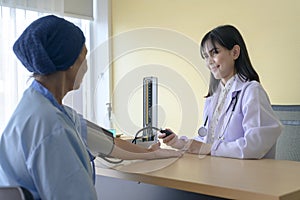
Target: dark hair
x=228, y=36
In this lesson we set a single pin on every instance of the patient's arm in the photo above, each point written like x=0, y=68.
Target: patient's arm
x=128, y=151
x=101, y=143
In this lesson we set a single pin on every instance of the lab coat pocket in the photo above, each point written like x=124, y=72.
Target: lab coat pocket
x=233, y=128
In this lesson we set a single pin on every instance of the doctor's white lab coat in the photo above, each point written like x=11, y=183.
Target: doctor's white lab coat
x=248, y=131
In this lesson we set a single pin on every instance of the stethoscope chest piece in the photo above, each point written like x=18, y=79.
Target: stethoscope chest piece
x=202, y=131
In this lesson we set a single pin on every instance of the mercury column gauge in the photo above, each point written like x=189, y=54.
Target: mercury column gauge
x=150, y=101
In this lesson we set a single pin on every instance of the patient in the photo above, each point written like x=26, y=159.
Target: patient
x=45, y=145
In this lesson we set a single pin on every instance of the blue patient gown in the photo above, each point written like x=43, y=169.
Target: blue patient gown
x=42, y=149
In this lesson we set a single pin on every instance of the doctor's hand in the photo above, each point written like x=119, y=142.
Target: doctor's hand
x=173, y=140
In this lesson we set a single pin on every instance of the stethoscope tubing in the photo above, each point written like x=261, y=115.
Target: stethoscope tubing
x=202, y=131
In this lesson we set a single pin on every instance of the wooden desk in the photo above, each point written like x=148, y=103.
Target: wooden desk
x=222, y=177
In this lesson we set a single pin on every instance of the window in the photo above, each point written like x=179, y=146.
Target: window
x=14, y=78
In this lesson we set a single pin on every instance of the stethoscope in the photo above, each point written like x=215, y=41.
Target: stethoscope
x=202, y=131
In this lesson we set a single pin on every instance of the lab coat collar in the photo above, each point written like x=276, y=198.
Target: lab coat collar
x=237, y=85
x=213, y=100
x=235, y=89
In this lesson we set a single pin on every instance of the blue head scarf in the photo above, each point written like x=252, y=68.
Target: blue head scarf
x=49, y=44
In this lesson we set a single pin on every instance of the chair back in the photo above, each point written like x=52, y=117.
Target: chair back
x=288, y=143
x=15, y=193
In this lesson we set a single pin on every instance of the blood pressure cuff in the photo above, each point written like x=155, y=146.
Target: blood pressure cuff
x=99, y=140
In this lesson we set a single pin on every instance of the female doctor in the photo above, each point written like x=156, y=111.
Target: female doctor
x=238, y=119
x=47, y=147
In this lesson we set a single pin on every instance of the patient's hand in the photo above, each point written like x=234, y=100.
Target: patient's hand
x=167, y=153
x=154, y=147
x=163, y=153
